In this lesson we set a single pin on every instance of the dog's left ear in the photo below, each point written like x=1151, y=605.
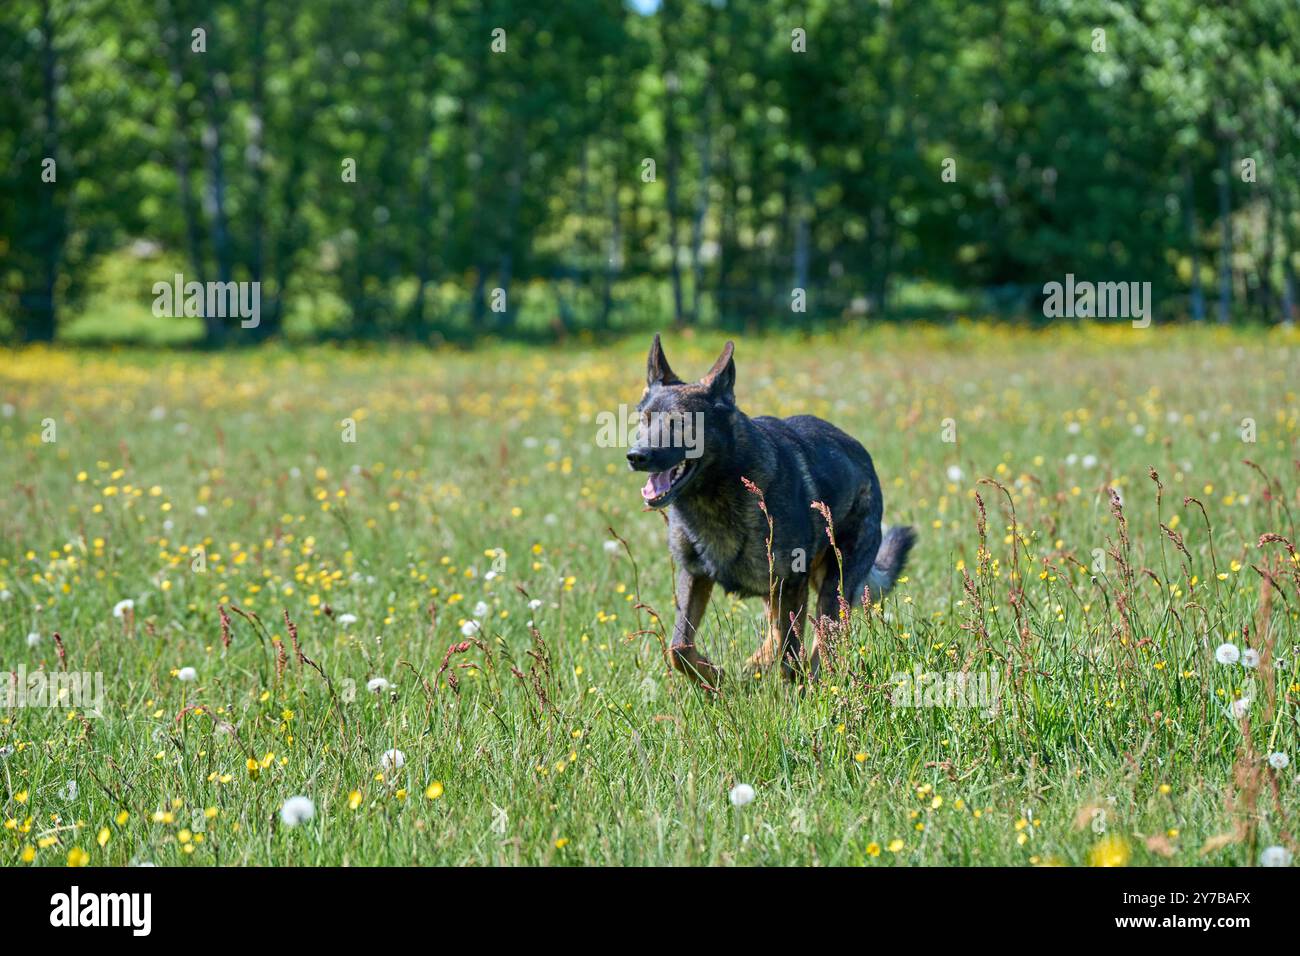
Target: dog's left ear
x=721, y=379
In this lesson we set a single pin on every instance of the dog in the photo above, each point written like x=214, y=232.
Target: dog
x=698, y=446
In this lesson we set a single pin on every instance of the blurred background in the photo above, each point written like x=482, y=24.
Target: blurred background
x=393, y=169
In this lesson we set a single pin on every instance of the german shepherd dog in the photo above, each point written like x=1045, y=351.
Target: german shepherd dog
x=697, y=446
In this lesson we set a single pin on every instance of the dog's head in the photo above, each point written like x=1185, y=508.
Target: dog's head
x=683, y=427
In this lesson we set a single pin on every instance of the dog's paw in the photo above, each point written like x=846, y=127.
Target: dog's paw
x=757, y=665
x=709, y=675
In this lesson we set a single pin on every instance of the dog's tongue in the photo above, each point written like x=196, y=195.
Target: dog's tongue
x=656, y=485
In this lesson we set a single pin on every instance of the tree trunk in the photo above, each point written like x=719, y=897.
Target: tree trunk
x=257, y=164
x=697, y=223
x=41, y=308
x=1225, y=222
x=670, y=173
x=1193, y=248
x=172, y=36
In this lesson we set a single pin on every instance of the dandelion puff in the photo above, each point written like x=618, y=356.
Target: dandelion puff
x=33, y=639
x=5, y=751
x=1227, y=654
x=741, y=794
x=1275, y=856
x=1241, y=707
x=122, y=606
x=1089, y=461
x=347, y=619
x=481, y=609
x=69, y=791
x=470, y=628
x=534, y=604
x=377, y=685
x=393, y=760
x=955, y=474
x=1250, y=658
x=611, y=547
x=297, y=810
x=187, y=674
x=1278, y=760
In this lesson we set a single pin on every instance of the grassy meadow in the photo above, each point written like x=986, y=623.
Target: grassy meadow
x=472, y=581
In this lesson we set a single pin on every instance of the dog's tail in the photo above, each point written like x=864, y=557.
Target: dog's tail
x=890, y=559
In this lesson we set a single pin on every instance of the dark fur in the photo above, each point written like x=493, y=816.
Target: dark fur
x=717, y=533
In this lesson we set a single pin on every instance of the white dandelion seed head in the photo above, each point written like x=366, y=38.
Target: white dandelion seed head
x=481, y=609
x=1275, y=856
x=33, y=639
x=5, y=751
x=1227, y=654
x=69, y=791
x=1278, y=760
x=611, y=546
x=1250, y=657
x=955, y=474
x=741, y=794
x=392, y=760
x=346, y=619
x=534, y=604
x=5, y=595
x=201, y=511
x=122, y=606
x=1073, y=428
x=470, y=628
x=377, y=685
x=1241, y=707
x=297, y=810
x=187, y=674
x=1089, y=461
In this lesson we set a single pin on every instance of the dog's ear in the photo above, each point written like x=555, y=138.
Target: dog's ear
x=721, y=379
x=657, y=371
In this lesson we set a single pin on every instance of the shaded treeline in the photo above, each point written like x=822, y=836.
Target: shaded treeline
x=591, y=163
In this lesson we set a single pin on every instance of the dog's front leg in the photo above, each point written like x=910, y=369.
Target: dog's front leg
x=785, y=620
x=692, y=598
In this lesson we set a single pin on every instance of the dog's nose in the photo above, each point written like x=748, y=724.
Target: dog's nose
x=636, y=458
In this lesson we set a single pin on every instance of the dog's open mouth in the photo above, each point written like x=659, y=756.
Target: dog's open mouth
x=661, y=484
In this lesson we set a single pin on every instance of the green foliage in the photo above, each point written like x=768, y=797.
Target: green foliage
x=1090, y=137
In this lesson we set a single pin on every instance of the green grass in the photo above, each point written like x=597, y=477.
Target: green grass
x=1110, y=739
